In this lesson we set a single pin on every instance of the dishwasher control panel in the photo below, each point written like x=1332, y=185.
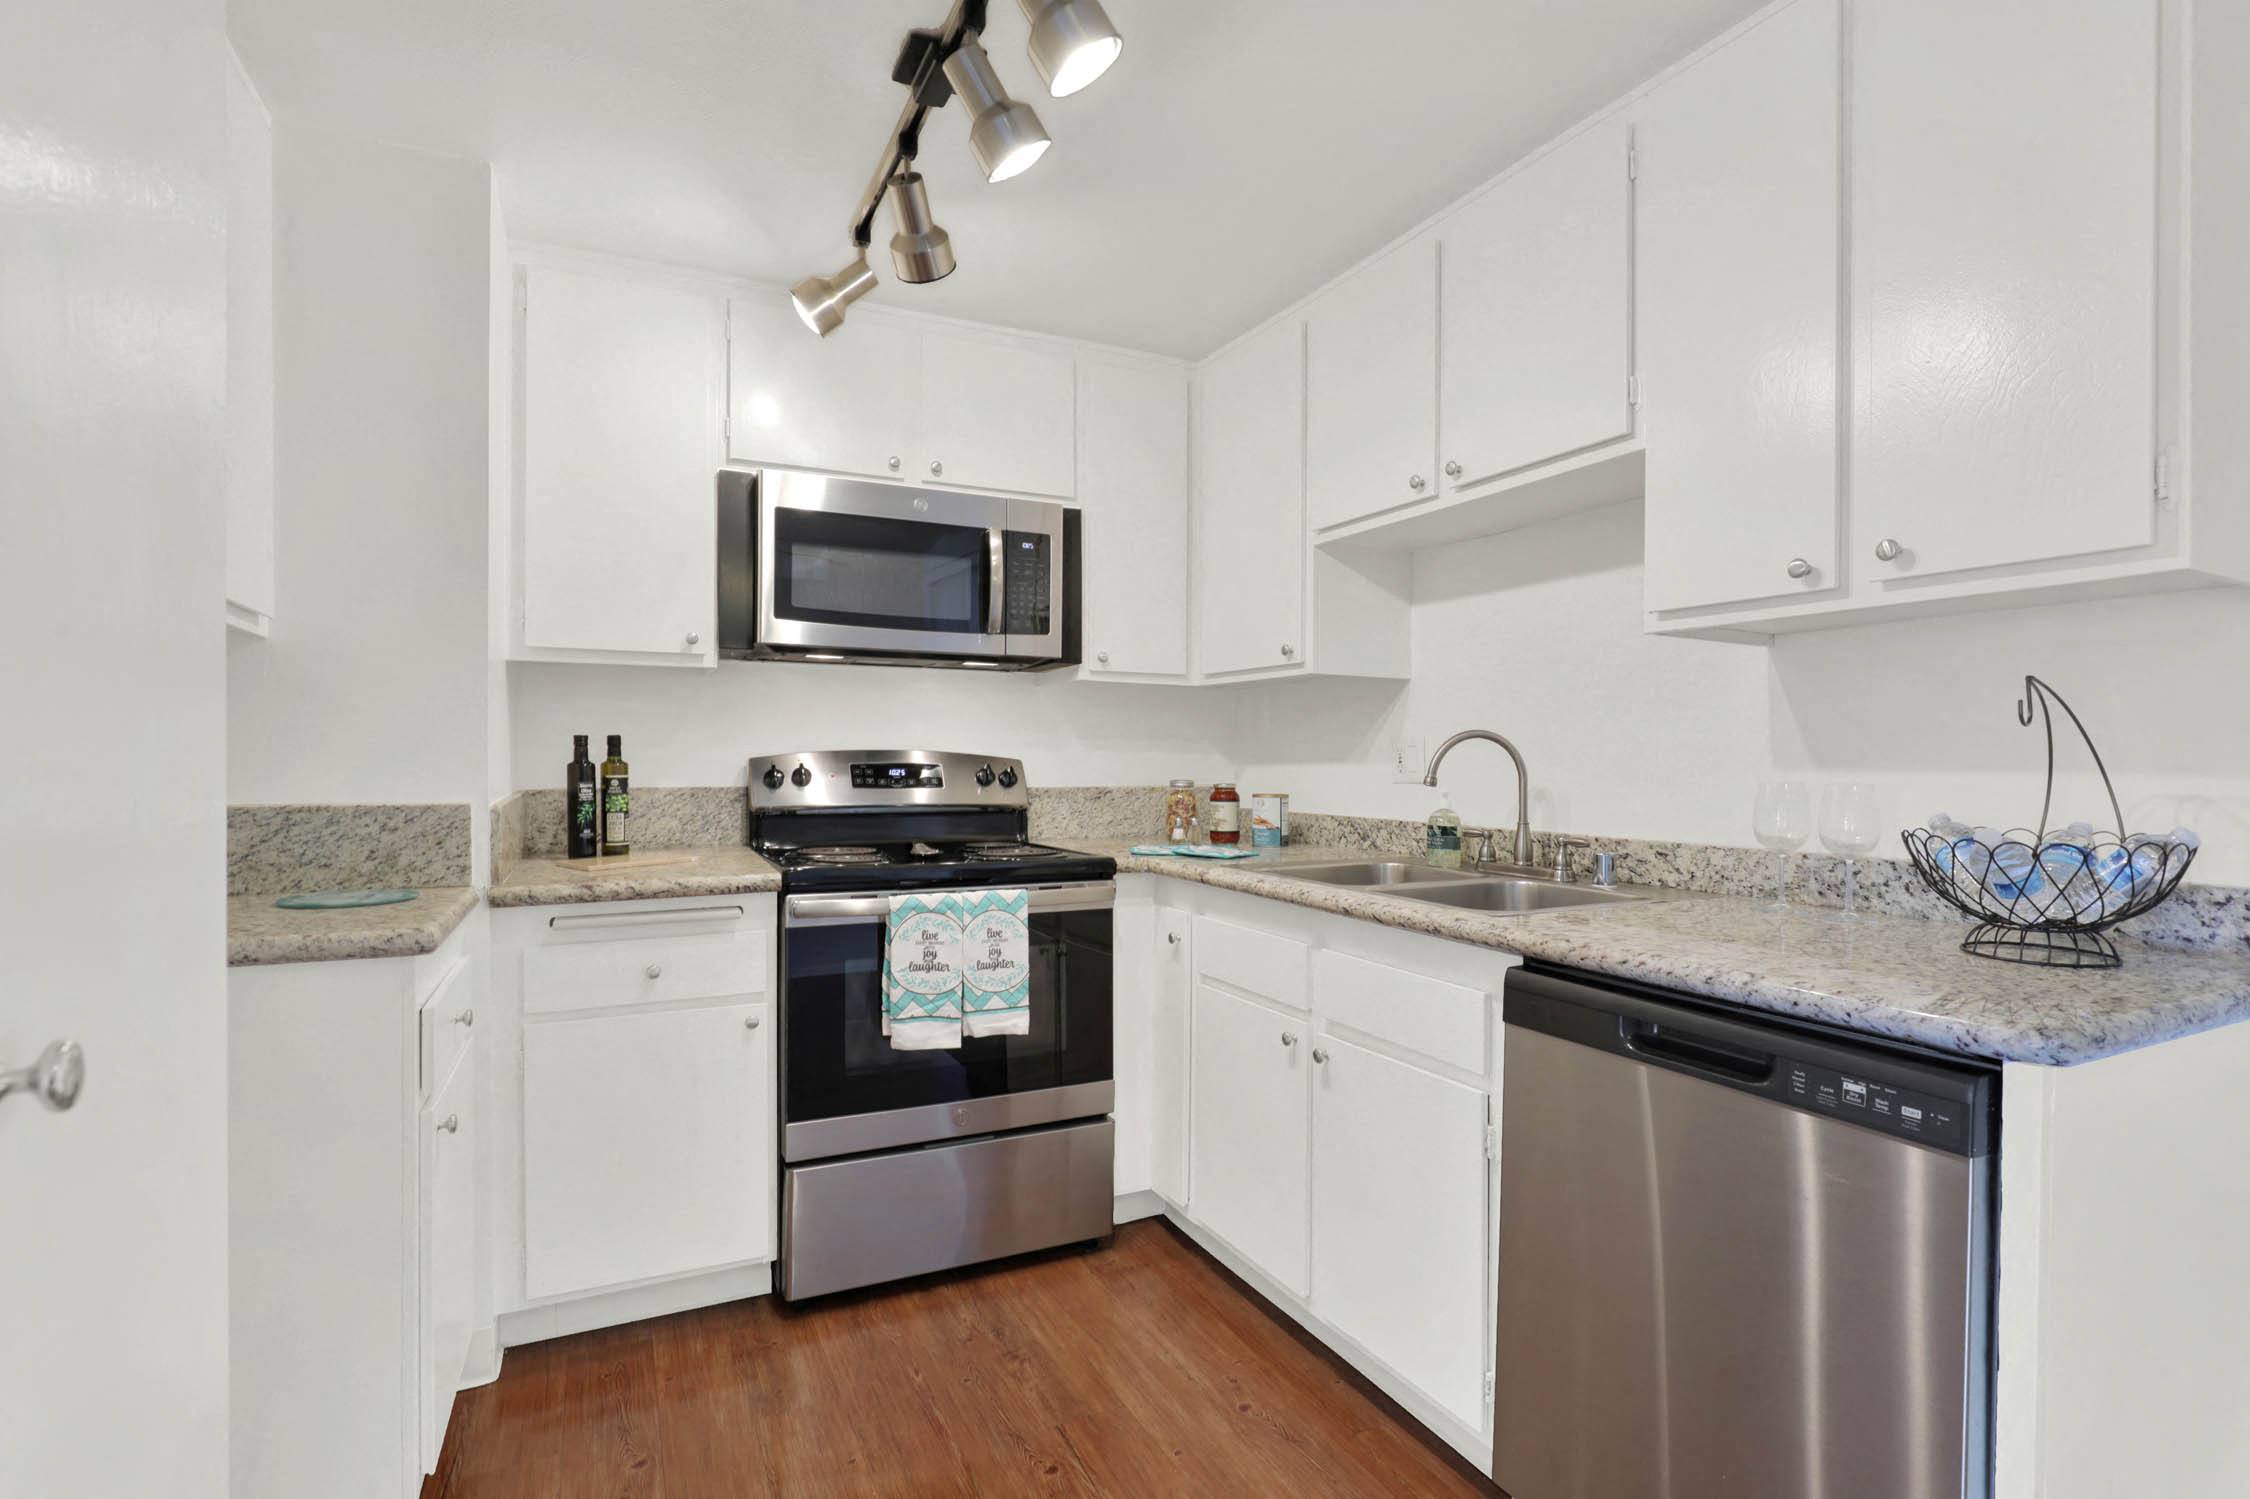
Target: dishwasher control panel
x=1877, y=1105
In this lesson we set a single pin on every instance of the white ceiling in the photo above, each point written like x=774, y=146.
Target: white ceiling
x=1239, y=153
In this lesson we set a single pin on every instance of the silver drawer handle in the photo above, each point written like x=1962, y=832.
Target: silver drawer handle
x=1414, y=482
x=54, y=1078
x=466, y=1017
x=1173, y=938
x=1318, y=1055
x=654, y=970
x=1452, y=470
x=450, y=1124
x=1887, y=550
x=1799, y=568
x=1287, y=1039
x=750, y=1024
x=1102, y=657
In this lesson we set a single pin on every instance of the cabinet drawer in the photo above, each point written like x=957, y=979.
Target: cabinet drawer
x=446, y=1019
x=609, y=972
x=1253, y=961
x=1445, y=1022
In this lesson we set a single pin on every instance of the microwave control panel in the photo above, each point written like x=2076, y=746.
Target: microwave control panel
x=1027, y=573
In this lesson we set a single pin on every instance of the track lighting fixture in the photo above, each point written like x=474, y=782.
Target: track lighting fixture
x=1072, y=44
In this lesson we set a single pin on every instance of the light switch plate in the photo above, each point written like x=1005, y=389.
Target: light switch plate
x=1408, y=762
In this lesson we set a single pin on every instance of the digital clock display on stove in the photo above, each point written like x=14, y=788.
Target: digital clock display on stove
x=897, y=775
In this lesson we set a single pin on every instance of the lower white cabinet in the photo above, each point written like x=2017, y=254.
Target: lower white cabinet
x=1169, y=1002
x=1250, y=1141
x=451, y=1134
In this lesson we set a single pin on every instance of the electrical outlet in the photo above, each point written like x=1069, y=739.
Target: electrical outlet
x=1408, y=762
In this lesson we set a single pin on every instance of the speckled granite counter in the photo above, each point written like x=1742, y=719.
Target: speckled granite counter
x=725, y=870
x=1885, y=975
x=258, y=931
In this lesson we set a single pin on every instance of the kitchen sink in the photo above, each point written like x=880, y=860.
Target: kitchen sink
x=1375, y=872
x=1483, y=893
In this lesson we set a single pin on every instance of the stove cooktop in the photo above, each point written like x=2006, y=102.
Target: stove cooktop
x=924, y=866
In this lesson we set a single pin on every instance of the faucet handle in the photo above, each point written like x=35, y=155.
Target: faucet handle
x=1482, y=854
x=1562, y=847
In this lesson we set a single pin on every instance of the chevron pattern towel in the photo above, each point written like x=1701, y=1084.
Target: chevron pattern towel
x=995, y=963
x=922, y=974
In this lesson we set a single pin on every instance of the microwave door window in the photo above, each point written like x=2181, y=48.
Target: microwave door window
x=878, y=573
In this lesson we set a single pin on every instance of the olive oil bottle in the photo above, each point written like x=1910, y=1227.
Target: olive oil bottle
x=617, y=800
x=582, y=802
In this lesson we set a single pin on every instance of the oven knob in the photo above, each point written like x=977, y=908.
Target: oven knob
x=1007, y=776
x=801, y=776
x=772, y=778
x=984, y=775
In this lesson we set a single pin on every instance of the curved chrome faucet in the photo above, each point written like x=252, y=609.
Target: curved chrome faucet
x=1523, y=784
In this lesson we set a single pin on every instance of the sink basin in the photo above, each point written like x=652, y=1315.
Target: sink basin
x=1484, y=894
x=1374, y=872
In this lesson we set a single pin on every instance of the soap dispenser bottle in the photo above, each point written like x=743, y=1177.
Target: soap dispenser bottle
x=1442, y=838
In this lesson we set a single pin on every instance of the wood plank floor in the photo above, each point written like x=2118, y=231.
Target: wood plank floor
x=1140, y=1370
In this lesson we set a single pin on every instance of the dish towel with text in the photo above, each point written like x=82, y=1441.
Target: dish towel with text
x=995, y=963
x=922, y=974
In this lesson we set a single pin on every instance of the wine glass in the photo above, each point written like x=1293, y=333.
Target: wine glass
x=1782, y=820
x=1851, y=824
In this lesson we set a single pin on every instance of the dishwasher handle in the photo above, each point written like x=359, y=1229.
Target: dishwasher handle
x=1657, y=1042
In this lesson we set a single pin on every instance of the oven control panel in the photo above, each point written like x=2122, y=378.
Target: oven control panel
x=904, y=775
x=814, y=779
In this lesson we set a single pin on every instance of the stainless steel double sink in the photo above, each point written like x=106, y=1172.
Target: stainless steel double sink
x=1462, y=888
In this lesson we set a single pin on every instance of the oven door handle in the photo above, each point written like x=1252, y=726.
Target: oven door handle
x=802, y=910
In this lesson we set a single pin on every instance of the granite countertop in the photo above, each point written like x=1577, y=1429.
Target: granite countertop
x=258, y=931
x=730, y=869
x=1884, y=975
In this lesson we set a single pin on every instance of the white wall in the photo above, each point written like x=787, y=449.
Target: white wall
x=372, y=687
x=1537, y=634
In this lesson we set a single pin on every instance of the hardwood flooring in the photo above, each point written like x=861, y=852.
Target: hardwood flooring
x=1140, y=1370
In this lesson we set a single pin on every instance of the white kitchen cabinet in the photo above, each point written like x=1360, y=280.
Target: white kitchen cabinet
x=1170, y=1004
x=1740, y=222
x=621, y=389
x=1371, y=388
x=1250, y=1148
x=451, y=1134
x=250, y=396
x=1249, y=445
x=1399, y=1181
x=1536, y=326
x=996, y=413
x=842, y=405
x=647, y=1146
x=2005, y=215
x=1132, y=490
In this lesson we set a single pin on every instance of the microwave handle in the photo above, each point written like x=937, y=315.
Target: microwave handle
x=996, y=607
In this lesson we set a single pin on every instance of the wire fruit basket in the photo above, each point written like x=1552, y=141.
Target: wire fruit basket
x=2043, y=896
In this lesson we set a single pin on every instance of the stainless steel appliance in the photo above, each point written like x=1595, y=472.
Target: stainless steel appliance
x=1738, y=1259
x=820, y=569
x=895, y=1163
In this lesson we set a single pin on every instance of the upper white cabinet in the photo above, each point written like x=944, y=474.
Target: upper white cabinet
x=1536, y=335
x=1739, y=218
x=620, y=384
x=1133, y=487
x=1250, y=504
x=997, y=413
x=249, y=425
x=1371, y=388
x=843, y=405
x=2005, y=215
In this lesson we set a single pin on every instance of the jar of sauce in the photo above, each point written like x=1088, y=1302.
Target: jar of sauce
x=1226, y=814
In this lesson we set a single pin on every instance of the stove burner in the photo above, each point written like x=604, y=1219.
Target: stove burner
x=841, y=853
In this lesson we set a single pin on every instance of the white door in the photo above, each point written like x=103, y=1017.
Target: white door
x=1133, y=489
x=1398, y=1219
x=1168, y=1111
x=1740, y=225
x=648, y=1146
x=2004, y=161
x=1249, y=1146
x=996, y=413
x=249, y=354
x=450, y=1128
x=113, y=357
x=1537, y=322
x=1249, y=445
x=1371, y=373
x=841, y=405
x=621, y=390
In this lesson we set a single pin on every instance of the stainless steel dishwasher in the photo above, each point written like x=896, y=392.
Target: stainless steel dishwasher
x=1738, y=1259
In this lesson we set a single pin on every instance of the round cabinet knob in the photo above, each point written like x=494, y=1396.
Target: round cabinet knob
x=693, y=638
x=1007, y=776
x=450, y=1124
x=1414, y=482
x=801, y=776
x=894, y=463
x=54, y=1078
x=936, y=467
x=1102, y=657
x=1452, y=469
x=984, y=775
x=1287, y=1039
x=466, y=1017
x=1318, y=1055
x=1173, y=938
x=750, y=1023
x=772, y=778
x=1288, y=650
x=654, y=970
x=1799, y=568
x=1887, y=550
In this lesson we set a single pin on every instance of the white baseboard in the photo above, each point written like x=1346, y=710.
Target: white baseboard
x=483, y=1363
x=661, y=1298
x=1131, y=1207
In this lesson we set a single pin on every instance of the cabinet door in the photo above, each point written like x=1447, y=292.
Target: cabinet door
x=2004, y=161
x=841, y=405
x=1740, y=231
x=1398, y=1221
x=450, y=1132
x=1536, y=326
x=1132, y=486
x=1371, y=371
x=648, y=1146
x=1169, y=1120
x=249, y=428
x=620, y=433
x=1249, y=1153
x=997, y=413
x=1250, y=504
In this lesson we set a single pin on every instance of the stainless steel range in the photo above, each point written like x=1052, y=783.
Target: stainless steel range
x=898, y=1162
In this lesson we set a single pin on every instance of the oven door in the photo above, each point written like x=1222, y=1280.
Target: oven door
x=844, y=1090
x=853, y=567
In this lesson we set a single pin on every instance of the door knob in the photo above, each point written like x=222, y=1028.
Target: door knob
x=894, y=463
x=1173, y=938
x=693, y=638
x=654, y=970
x=1318, y=1055
x=750, y=1023
x=1452, y=470
x=1887, y=550
x=1414, y=482
x=450, y=1124
x=54, y=1078
x=1287, y=1039
x=936, y=467
x=1102, y=657
x=1799, y=568
x=466, y=1017
x=1288, y=650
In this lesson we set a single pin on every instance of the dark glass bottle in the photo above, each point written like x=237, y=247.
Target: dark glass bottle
x=617, y=800
x=582, y=802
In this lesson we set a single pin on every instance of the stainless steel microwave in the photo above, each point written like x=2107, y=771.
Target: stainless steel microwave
x=822, y=569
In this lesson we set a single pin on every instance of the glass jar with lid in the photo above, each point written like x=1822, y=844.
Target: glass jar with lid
x=1226, y=813
x=1179, y=812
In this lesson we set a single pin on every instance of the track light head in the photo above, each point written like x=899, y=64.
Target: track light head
x=1072, y=43
x=821, y=300
x=1004, y=133
x=920, y=251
